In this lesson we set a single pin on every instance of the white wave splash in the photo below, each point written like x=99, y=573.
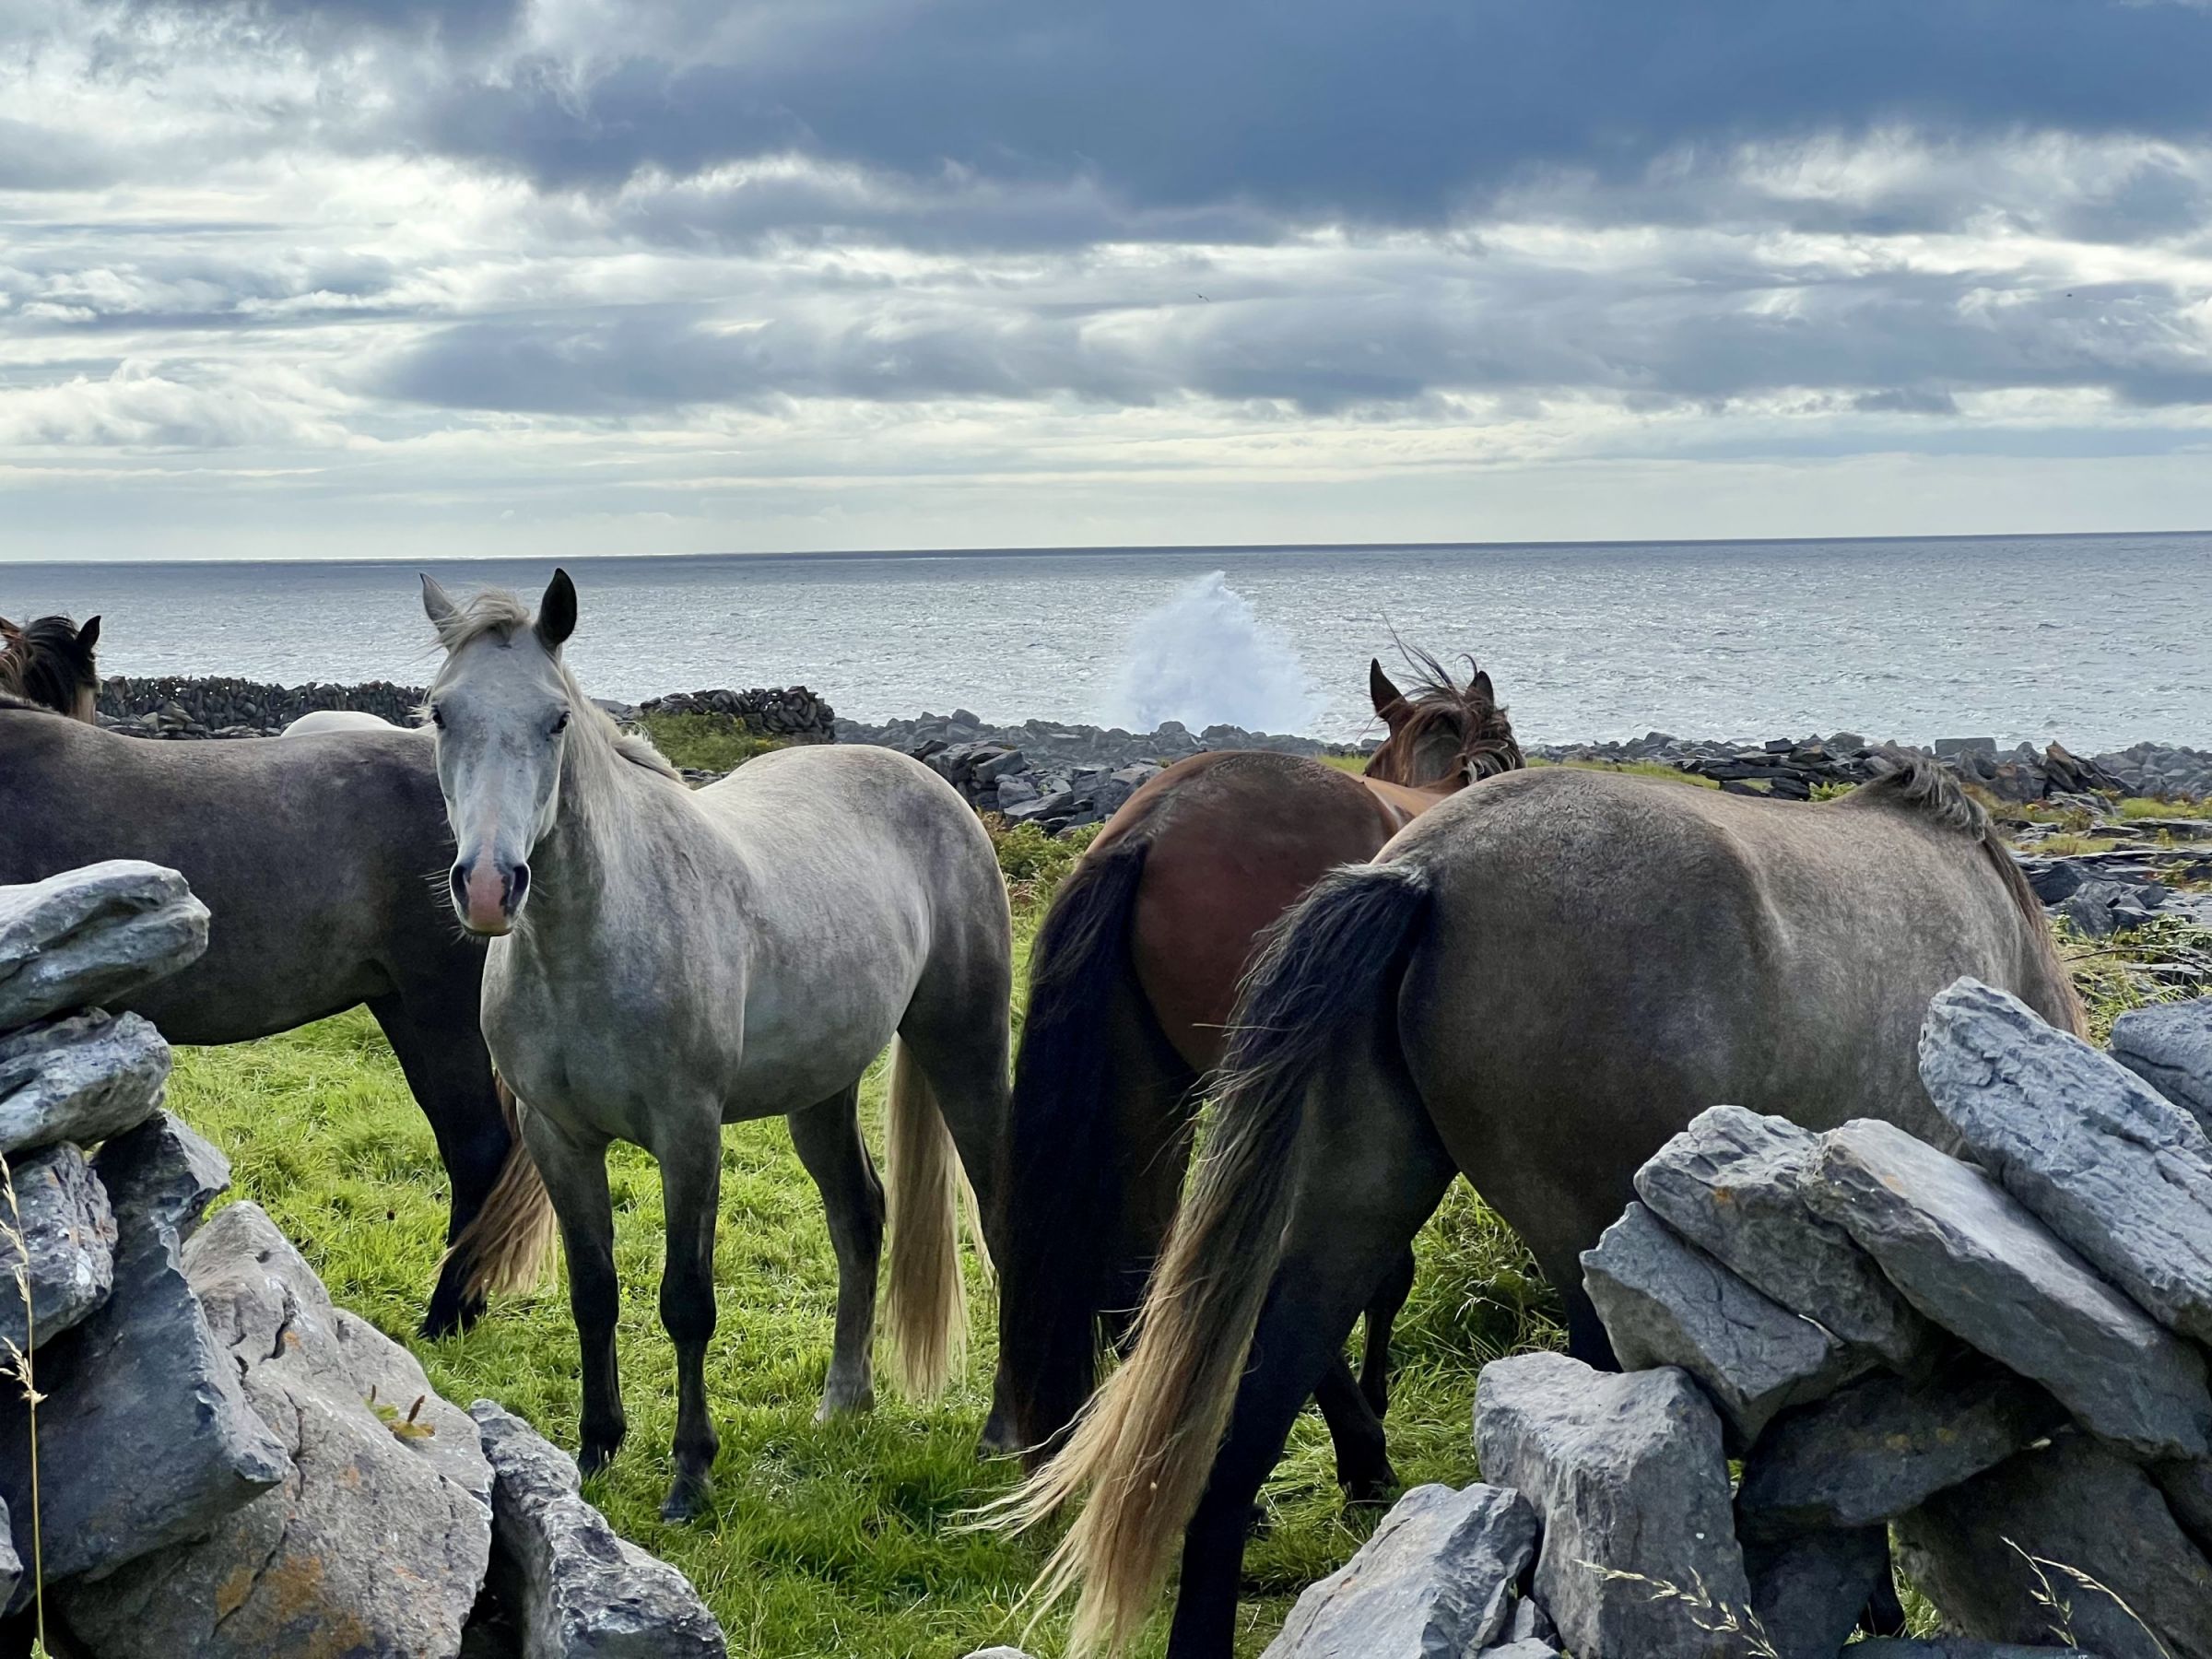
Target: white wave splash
x=1206, y=658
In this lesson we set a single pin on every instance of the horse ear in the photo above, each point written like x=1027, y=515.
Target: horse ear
x=1390, y=702
x=436, y=605
x=87, y=637
x=1481, y=686
x=557, y=611
x=9, y=632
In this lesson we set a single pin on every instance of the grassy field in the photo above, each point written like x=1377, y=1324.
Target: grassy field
x=837, y=1539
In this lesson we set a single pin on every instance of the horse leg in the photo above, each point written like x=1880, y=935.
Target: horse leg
x=690, y=1197
x=449, y=1071
x=1382, y=1313
x=828, y=1142
x=576, y=1174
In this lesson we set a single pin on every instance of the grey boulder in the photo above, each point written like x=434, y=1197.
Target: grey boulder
x=1437, y=1577
x=1808, y=1591
x=1733, y=1184
x=1629, y=1477
x=378, y=1539
x=90, y=935
x=81, y=1078
x=1970, y=1258
x=1666, y=1302
x=573, y=1588
x=2170, y=1047
x=2105, y=1161
x=69, y=1246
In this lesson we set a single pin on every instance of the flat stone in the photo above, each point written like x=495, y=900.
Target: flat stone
x=1970, y=1258
x=145, y=1410
x=68, y=1232
x=1666, y=1302
x=574, y=1589
x=2079, y=1508
x=1437, y=1576
x=88, y=936
x=1885, y=1445
x=377, y=1541
x=1629, y=1476
x=82, y=1077
x=2103, y=1160
x=1810, y=1591
x=1733, y=1184
x=2170, y=1047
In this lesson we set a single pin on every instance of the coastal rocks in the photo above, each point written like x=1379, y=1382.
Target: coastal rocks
x=90, y=936
x=1437, y=1576
x=574, y=1589
x=2170, y=1047
x=1628, y=1476
x=225, y=706
x=67, y=1256
x=791, y=712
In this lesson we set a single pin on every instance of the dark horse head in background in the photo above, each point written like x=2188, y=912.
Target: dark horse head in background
x=49, y=662
x=1443, y=734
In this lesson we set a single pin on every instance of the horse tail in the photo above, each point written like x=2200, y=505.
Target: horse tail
x=926, y=1300
x=509, y=1243
x=1907, y=781
x=1144, y=1447
x=1063, y=1205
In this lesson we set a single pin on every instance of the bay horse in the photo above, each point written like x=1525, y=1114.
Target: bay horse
x=663, y=961
x=1535, y=985
x=321, y=861
x=50, y=662
x=1131, y=982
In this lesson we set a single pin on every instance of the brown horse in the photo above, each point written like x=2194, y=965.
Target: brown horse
x=1536, y=985
x=1132, y=981
x=49, y=662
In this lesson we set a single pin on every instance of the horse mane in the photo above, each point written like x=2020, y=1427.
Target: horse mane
x=1478, y=724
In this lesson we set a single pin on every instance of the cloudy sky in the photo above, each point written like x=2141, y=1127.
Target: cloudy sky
x=375, y=277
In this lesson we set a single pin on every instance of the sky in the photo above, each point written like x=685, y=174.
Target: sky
x=393, y=279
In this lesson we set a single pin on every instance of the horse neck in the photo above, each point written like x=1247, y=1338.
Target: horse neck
x=581, y=865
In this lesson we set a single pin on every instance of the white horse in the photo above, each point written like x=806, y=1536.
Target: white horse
x=664, y=962
x=338, y=720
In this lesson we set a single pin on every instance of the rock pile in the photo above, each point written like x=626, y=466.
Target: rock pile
x=793, y=712
x=221, y=706
x=1999, y=1357
x=222, y=1461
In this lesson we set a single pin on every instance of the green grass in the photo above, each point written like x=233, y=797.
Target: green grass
x=706, y=742
x=2139, y=807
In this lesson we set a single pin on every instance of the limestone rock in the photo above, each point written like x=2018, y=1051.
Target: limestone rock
x=2170, y=1047
x=1530, y=1622
x=81, y=1078
x=1967, y=1256
x=2078, y=1506
x=576, y=1590
x=1437, y=1576
x=1808, y=1591
x=165, y=1172
x=1625, y=1472
x=1665, y=1302
x=2106, y=1163
x=376, y=1542
x=86, y=937
x=1733, y=1184
x=68, y=1233
x=1884, y=1445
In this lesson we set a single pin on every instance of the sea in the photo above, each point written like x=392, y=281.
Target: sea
x=2098, y=641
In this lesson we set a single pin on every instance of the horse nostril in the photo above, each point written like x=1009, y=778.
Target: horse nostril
x=457, y=882
x=518, y=886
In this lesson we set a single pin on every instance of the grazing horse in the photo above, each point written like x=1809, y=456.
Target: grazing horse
x=49, y=662
x=322, y=860
x=320, y=722
x=1131, y=983
x=1535, y=985
x=664, y=962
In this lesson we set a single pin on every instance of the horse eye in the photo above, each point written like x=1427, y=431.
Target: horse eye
x=437, y=717
x=560, y=722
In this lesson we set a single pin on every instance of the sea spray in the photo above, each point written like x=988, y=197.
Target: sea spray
x=1205, y=658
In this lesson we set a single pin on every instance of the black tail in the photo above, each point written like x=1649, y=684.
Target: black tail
x=1065, y=1207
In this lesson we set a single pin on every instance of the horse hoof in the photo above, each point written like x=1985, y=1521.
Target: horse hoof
x=686, y=1498
x=442, y=1319
x=997, y=1440
x=596, y=1455
x=837, y=1405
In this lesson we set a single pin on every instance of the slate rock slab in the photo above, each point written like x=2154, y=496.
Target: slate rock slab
x=88, y=936
x=143, y=1409
x=2081, y=1506
x=82, y=1077
x=376, y=1541
x=1885, y=1445
x=2104, y=1161
x=1437, y=1576
x=1733, y=1184
x=1808, y=1591
x=1628, y=1476
x=1970, y=1258
x=68, y=1233
x=1666, y=1302
x=2170, y=1047
x=575, y=1589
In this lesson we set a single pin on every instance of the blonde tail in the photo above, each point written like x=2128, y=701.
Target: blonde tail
x=927, y=1300
x=509, y=1245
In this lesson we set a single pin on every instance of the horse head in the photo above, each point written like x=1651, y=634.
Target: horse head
x=1442, y=732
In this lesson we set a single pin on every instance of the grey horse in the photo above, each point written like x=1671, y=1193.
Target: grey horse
x=664, y=962
x=1535, y=984
x=322, y=860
